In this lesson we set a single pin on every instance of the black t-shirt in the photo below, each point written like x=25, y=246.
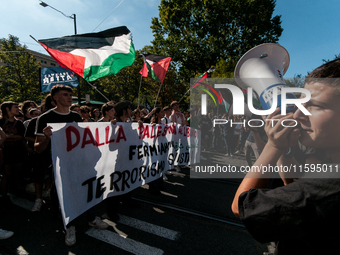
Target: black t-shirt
x=30, y=131
x=52, y=116
x=14, y=148
x=12, y=128
x=205, y=124
x=302, y=216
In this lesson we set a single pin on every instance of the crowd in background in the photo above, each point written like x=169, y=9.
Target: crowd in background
x=22, y=163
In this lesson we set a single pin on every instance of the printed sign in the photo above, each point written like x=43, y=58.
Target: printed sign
x=93, y=161
x=51, y=76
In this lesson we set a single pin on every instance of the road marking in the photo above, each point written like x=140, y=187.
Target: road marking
x=123, y=243
x=148, y=227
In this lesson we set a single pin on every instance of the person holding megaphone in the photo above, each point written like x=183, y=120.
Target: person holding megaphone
x=302, y=215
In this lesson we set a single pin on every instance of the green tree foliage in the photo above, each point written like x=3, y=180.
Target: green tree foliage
x=125, y=85
x=297, y=81
x=199, y=34
x=327, y=60
x=19, y=74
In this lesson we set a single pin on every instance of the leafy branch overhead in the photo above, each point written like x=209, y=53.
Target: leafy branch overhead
x=198, y=34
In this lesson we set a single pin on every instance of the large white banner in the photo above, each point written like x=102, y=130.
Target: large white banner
x=93, y=161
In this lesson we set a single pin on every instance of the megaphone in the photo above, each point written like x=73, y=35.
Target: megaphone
x=262, y=68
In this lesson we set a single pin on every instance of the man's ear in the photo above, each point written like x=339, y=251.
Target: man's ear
x=54, y=98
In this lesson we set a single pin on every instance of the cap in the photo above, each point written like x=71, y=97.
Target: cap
x=173, y=103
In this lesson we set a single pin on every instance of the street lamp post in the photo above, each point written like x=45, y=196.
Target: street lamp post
x=73, y=16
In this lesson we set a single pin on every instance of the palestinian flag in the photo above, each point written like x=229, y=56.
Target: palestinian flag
x=94, y=55
x=202, y=77
x=156, y=65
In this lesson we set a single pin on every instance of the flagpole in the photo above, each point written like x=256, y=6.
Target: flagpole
x=98, y=91
x=158, y=94
x=184, y=95
x=140, y=84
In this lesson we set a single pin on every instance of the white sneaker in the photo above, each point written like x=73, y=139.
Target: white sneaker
x=4, y=234
x=237, y=152
x=37, y=205
x=70, y=237
x=47, y=193
x=168, y=172
x=165, y=178
x=98, y=223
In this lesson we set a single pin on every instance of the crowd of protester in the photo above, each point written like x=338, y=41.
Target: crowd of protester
x=25, y=152
x=300, y=213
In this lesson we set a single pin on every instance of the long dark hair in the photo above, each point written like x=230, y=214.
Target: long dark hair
x=154, y=117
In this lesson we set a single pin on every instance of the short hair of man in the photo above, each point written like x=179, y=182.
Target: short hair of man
x=325, y=72
x=85, y=108
x=74, y=106
x=120, y=107
x=55, y=89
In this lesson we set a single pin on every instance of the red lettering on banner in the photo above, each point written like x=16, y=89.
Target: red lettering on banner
x=180, y=130
x=165, y=129
x=140, y=130
x=159, y=131
x=172, y=129
x=188, y=132
x=146, y=132
x=107, y=132
x=89, y=138
x=97, y=138
x=69, y=130
x=121, y=134
x=87, y=132
x=152, y=132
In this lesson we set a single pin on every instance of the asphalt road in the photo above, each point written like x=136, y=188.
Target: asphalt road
x=191, y=216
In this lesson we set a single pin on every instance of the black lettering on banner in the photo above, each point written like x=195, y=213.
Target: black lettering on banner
x=140, y=154
x=134, y=175
x=141, y=173
x=126, y=176
x=131, y=151
x=164, y=147
x=153, y=169
x=89, y=182
x=113, y=182
x=180, y=158
x=171, y=159
x=99, y=190
x=146, y=148
x=153, y=149
x=187, y=157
